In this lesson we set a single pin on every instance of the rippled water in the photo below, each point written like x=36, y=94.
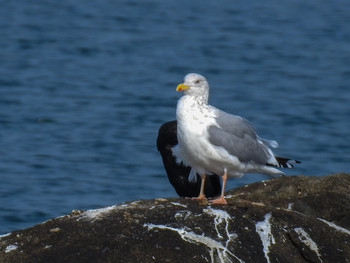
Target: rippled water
x=84, y=87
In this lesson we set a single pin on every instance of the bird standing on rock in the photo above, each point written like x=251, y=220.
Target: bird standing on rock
x=178, y=173
x=213, y=141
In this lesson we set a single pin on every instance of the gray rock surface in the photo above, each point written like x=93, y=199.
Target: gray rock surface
x=285, y=219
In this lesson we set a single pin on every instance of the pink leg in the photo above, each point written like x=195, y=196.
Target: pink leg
x=221, y=200
x=201, y=193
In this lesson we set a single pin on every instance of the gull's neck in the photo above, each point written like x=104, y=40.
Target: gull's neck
x=201, y=97
x=198, y=100
x=201, y=100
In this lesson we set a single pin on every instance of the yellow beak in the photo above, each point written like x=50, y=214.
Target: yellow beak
x=182, y=86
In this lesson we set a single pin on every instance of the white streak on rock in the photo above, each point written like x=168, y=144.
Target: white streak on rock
x=5, y=235
x=95, y=214
x=194, y=238
x=263, y=228
x=9, y=248
x=183, y=214
x=339, y=228
x=220, y=216
x=178, y=204
x=306, y=239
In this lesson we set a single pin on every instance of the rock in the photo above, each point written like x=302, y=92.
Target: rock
x=285, y=219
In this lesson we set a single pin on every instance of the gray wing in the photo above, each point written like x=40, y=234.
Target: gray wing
x=238, y=137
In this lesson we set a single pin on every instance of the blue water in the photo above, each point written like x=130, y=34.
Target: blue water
x=84, y=87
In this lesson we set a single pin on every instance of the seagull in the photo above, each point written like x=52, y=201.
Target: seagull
x=178, y=173
x=211, y=141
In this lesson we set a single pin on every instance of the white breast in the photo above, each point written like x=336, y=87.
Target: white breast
x=193, y=119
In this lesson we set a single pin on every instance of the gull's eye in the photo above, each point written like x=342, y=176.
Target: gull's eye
x=197, y=81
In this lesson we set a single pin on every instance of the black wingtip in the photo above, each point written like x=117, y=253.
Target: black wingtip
x=284, y=162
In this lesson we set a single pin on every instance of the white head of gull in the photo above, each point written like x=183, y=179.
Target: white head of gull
x=213, y=141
